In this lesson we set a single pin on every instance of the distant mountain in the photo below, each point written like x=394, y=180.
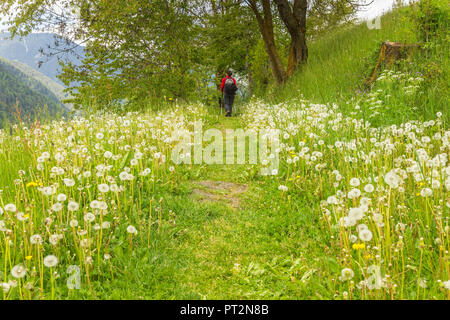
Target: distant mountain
x=33, y=99
x=28, y=51
x=34, y=79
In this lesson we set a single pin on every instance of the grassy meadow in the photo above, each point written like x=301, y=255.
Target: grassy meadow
x=93, y=207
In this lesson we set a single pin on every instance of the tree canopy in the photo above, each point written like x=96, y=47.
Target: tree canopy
x=137, y=51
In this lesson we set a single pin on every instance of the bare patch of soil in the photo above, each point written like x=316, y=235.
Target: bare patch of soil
x=219, y=191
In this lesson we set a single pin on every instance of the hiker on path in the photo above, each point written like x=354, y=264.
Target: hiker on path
x=229, y=88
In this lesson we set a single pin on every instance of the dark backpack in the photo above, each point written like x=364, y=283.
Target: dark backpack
x=230, y=87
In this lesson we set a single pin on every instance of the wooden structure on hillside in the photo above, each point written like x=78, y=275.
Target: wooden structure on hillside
x=391, y=51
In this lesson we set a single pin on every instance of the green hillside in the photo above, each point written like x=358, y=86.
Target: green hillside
x=34, y=100
x=36, y=79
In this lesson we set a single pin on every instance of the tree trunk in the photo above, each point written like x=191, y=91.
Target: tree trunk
x=247, y=63
x=294, y=18
x=266, y=27
x=298, y=53
x=275, y=61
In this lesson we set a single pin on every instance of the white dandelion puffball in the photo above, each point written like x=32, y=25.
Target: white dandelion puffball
x=59, y=157
x=347, y=274
x=61, y=197
x=69, y=182
x=18, y=271
x=365, y=235
x=426, y=192
x=10, y=207
x=332, y=200
x=50, y=261
x=354, y=193
x=89, y=217
x=36, y=239
x=131, y=230
x=87, y=174
x=378, y=219
x=73, y=206
x=356, y=214
x=348, y=221
x=95, y=204
x=447, y=284
x=57, y=207
x=369, y=188
x=103, y=187
x=5, y=287
x=354, y=182
x=48, y=191
x=54, y=238
x=392, y=179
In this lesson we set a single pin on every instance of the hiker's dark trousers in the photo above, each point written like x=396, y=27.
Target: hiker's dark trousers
x=228, y=102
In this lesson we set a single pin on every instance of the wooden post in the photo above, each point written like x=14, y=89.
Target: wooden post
x=389, y=52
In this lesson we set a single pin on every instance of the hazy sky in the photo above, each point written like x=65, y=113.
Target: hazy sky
x=377, y=8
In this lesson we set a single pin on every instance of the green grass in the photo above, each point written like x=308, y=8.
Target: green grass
x=339, y=61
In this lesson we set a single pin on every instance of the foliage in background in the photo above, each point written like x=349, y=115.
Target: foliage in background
x=431, y=18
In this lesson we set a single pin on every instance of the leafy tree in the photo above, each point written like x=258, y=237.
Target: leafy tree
x=294, y=15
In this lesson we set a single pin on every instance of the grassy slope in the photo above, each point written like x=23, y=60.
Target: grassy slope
x=338, y=61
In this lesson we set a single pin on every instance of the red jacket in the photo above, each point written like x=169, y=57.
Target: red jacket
x=225, y=79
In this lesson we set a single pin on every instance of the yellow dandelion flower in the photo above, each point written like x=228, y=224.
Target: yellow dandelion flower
x=28, y=258
x=358, y=246
x=31, y=184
